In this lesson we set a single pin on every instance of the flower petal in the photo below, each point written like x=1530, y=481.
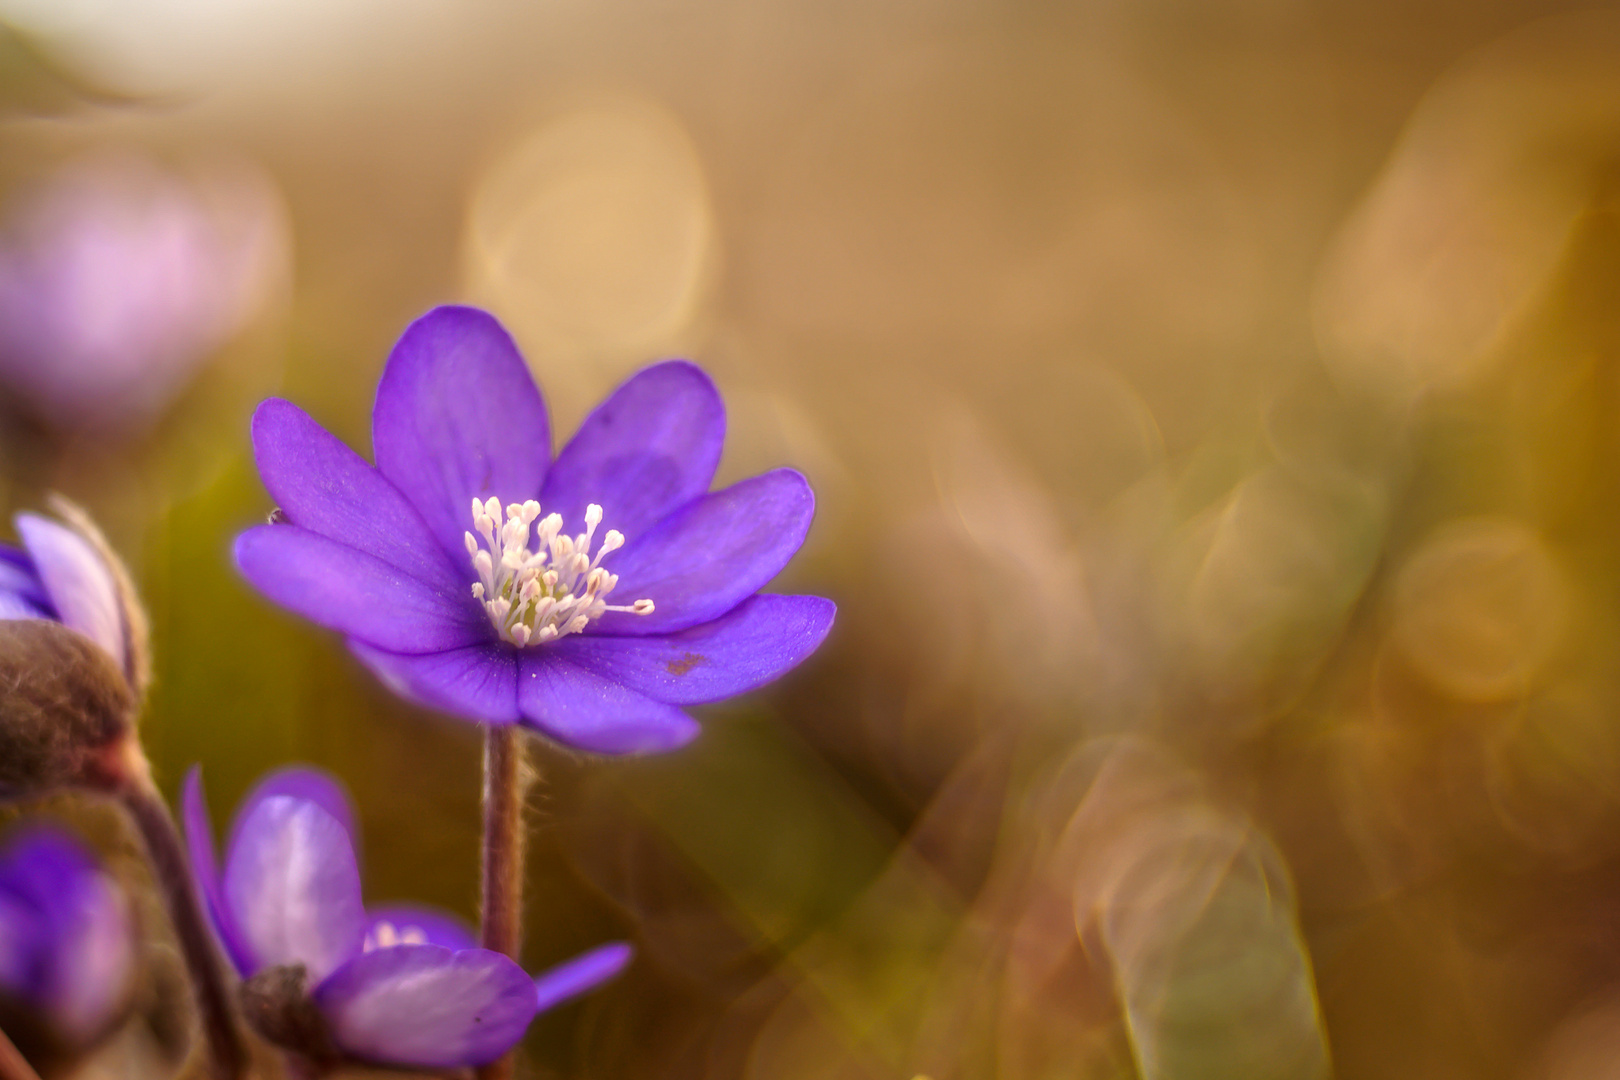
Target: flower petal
x=13, y=606
x=304, y=783
x=85, y=952
x=95, y=960
x=581, y=709
x=293, y=888
x=42, y=865
x=20, y=584
x=23, y=945
x=457, y=416
x=584, y=972
x=706, y=558
x=648, y=449
x=356, y=594
x=205, y=868
x=478, y=682
x=421, y=924
x=323, y=486
x=80, y=586
x=428, y=1007
x=755, y=642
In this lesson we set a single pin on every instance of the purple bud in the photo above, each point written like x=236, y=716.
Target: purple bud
x=118, y=278
x=67, y=951
x=73, y=657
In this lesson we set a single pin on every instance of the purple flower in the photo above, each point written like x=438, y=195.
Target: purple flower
x=73, y=659
x=396, y=985
x=117, y=278
x=59, y=575
x=498, y=613
x=67, y=951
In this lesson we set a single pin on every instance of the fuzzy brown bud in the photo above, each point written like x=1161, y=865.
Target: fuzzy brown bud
x=67, y=714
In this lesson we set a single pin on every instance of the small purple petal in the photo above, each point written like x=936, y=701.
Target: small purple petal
x=13, y=606
x=20, y=584
x=356, y=594
x=325, y=487
x=427, y=1006
x=420, y=924
x=750, y=645
x=293, y=888
x=581, y=709
x=23, y=940
x=41, y=864
x=458, y=415
x=706, y=558
x=649, y=448
x=79, y=584
x=96, y=957
x=205, y=868
x=36, y=868
x=308, y=785
x=584, y=972
x=478, y=682
x=83, y=933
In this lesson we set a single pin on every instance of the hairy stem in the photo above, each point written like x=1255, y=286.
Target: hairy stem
x=506, y=780
x=13, y=1066
x=227, y=1052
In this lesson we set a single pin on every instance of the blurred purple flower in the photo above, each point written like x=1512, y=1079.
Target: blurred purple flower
x=397, y=985
x=57, y=574
x=67, y=949
x=117, y=279
x=440, y=592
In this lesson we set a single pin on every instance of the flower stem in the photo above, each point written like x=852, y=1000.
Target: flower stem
x=226, y=1051
x=506, y=778
x=13, y=1066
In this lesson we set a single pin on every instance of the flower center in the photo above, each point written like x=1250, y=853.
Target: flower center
x=556, y=589
x=385, y=936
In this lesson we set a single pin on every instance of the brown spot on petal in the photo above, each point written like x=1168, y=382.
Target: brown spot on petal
x=685, y=663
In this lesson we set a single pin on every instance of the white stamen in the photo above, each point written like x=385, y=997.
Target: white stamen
x=550, y=590
x=385, y=936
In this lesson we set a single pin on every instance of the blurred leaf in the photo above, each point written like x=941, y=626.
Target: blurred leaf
x=785, y=840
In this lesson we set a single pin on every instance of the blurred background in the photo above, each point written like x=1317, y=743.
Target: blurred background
x=1212, y=409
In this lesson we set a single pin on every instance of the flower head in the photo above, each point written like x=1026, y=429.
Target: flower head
x=72, y=657
x=326, y=976
x=117, y=278
x=67, y=949
x=588, y=597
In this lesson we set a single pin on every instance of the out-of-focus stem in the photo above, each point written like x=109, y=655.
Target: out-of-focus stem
x=13, y=1066
x=226, y=1050
x=506, y=778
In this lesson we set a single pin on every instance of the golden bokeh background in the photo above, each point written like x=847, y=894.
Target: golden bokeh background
x=1214, y=414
